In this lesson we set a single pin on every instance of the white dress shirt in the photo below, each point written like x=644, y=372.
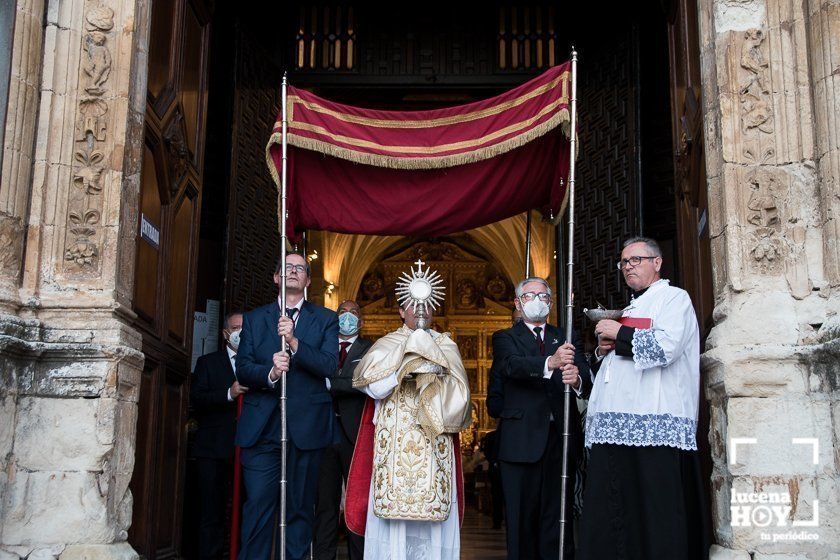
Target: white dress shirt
x=299, y=306
x=232, y=358
x=351, y=340
x=546, y=371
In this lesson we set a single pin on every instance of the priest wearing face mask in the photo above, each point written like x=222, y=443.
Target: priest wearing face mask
x=335, y=465
x=535, y=364
x=213, y=394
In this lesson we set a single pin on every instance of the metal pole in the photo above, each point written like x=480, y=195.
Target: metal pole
x=528, y=244
x=567, y=392
x=304, y=243
x=283, y=241
x=235, y=513
x=559, y=273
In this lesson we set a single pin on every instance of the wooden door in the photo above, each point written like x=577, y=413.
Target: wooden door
x=607, y=210
x=164, y=293
x=692, y=205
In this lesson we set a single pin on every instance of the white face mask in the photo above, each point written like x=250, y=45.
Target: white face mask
x=233, y=340
x=535, y=310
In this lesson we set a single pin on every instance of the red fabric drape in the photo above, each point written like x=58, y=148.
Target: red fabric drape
x=331, y=194
x=354, y=170
x=236, y=510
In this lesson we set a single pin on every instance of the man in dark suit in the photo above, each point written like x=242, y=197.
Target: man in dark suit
x=311, y=334
x=213, y=393
x=534, y=364
x=495, y=399
x=490, y=448
x=335, y=466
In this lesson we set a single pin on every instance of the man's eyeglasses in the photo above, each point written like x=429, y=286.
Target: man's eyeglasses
x=635, y=261
x=299, y=268
x=543, y=296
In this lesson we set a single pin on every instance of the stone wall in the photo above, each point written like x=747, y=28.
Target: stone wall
x=69, y=361
x=772, y=357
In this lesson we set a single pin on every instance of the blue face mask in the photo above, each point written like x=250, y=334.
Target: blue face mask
x=348, y=324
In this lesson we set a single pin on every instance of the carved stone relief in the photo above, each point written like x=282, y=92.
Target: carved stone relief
x=97, y=62
x=11, y=249
x=84, y=250
x=766, y=251
x=82, y=244
x=767, y=246
x=796, y=266
x=88, y=177
x=92, y=120
x=754, y=94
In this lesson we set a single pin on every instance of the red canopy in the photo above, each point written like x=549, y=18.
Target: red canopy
x=429, y=173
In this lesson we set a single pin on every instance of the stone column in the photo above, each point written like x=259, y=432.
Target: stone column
x=18, y=145
x=772, y=429
x=824, y=50
x=70, y=359
x=15, y=184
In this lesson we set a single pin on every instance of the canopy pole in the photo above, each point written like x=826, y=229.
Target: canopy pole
x=283, y=241
x=528, y=244
x=567, y=391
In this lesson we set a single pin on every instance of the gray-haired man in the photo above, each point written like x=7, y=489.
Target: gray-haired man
x=644, y=496
x=535, y=363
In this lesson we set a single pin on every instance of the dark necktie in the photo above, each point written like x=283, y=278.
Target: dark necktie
x=291, y=312
x=540, y=342
x=342, y=353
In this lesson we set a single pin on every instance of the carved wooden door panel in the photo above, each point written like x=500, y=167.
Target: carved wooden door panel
x=252, y=219
x=164, y=293
x=692, y=204
x=606, y=211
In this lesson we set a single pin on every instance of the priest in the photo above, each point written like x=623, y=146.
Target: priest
x=644, y=494
x=405, y=492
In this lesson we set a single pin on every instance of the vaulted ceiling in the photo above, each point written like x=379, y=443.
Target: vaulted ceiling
x=347, y=258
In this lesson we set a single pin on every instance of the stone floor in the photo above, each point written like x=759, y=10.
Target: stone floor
x=479, y=541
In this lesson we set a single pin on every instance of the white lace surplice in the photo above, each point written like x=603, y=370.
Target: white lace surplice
x=387, y=539
x=651, y=398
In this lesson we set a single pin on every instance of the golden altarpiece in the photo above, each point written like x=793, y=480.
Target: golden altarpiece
x=479, y=301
